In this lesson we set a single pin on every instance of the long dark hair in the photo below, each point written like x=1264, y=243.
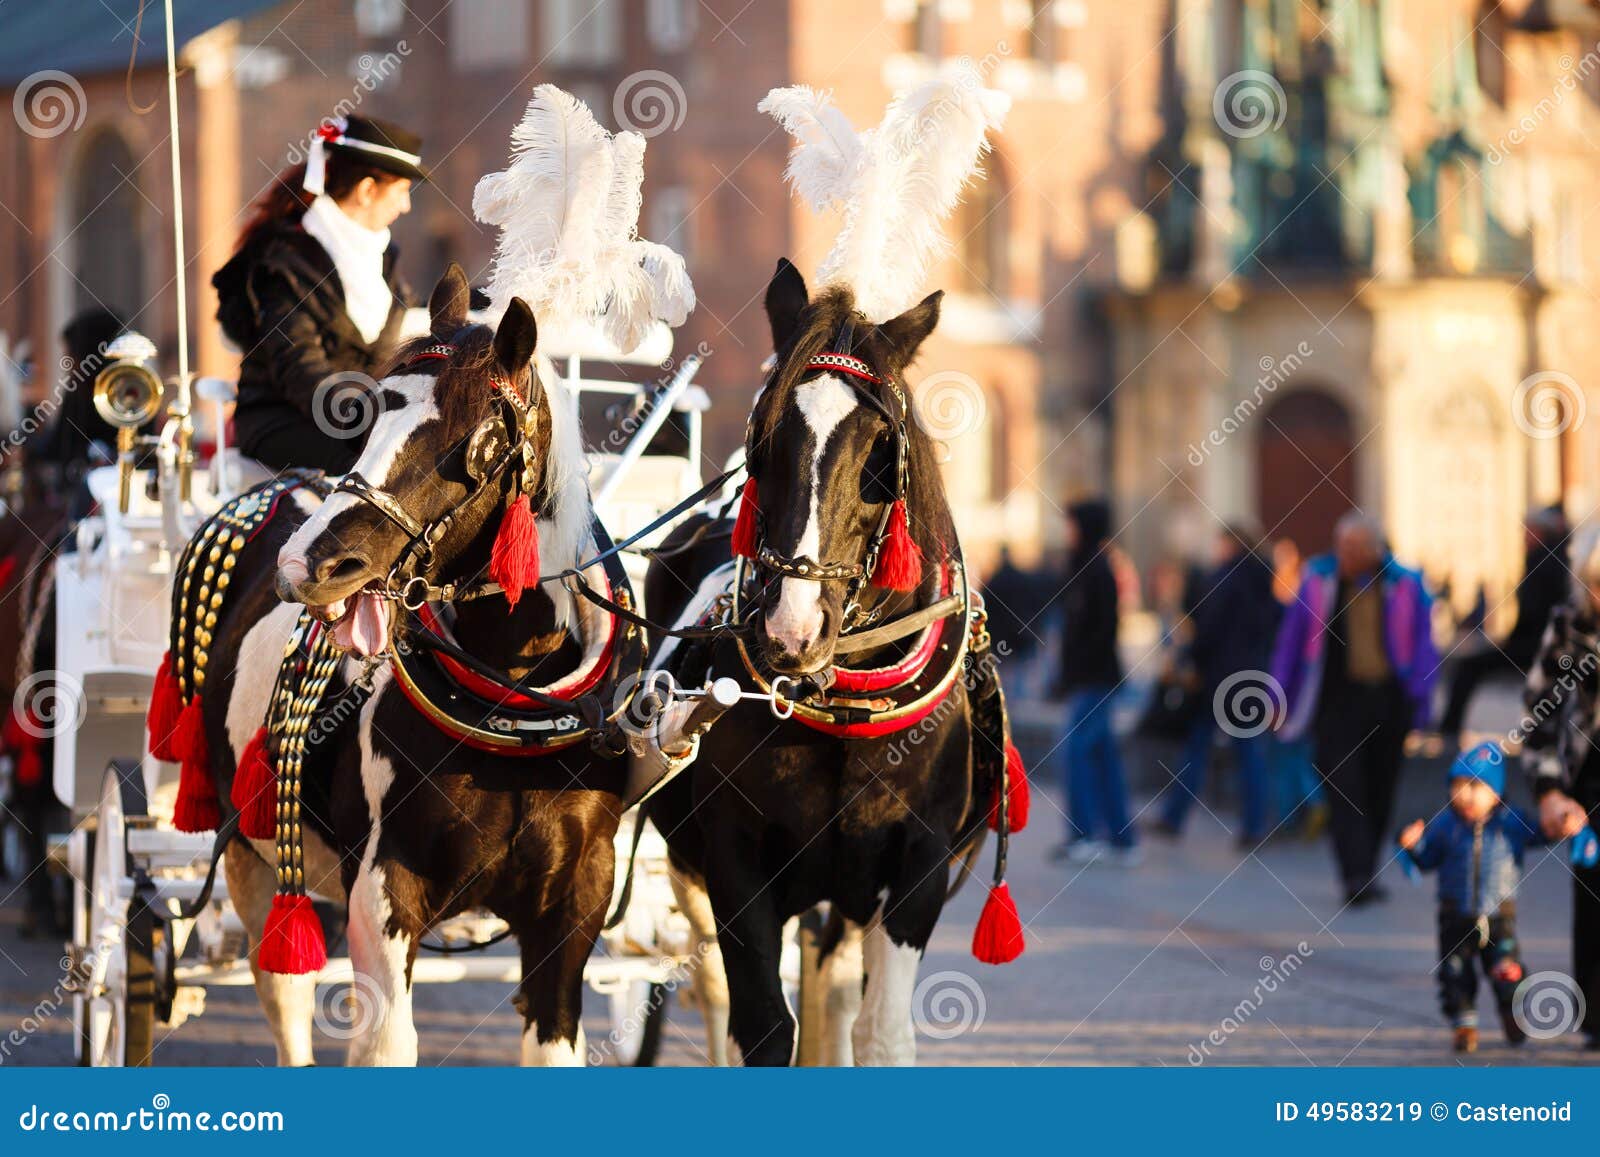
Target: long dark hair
x=285, y=200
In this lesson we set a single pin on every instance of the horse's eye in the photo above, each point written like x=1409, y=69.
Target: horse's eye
x=878, y=474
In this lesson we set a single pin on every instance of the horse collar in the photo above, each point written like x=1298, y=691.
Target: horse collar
x=868, y=703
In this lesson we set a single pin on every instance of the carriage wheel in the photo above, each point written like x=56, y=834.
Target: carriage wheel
x=638, y=1016
x=119, y=1006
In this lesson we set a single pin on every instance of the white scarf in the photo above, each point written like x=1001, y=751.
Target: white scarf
x=357, y=254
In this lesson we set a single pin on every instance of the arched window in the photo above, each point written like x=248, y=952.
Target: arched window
x=981, y=232
x=1305, y=467
x=1489, y=44
x=107, y=257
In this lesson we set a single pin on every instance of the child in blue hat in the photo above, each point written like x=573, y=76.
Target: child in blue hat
x=1476, y=846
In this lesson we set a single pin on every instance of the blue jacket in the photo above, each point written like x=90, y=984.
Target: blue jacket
x=1479, y=865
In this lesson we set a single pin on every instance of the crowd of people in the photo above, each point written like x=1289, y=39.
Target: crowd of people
x=1320, y=675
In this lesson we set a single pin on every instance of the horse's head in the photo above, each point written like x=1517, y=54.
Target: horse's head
x=835, y=460
x=462, y=433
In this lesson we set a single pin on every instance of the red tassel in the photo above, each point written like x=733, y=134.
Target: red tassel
x=189, y=736
x=255, y=790
x=166, y=704
x=291, y=941
x=30, y=766
x=998, y=938
x=25, y=744
x=900, y=562
x=1019, y=797
x=514, y=561
x=745, y=544
x=197, y=808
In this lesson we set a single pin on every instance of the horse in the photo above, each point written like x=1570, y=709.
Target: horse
x=416, y=808
x=882, y=775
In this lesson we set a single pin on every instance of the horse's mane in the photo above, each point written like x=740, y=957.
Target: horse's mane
x=564, y=508
x=820, y=325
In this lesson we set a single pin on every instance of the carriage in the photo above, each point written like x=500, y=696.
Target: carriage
x=150, y=931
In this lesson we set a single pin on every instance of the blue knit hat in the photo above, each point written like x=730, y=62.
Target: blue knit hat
x=1484, y=762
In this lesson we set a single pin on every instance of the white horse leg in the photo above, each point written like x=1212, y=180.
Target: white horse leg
x=884, y=1033
x=709, y=975
x=385, y=1034
x=289, y=1002
x=841, y=986
x=553, y=1054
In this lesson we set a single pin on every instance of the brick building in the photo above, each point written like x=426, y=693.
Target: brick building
x=1394, y=252
x=690, y=73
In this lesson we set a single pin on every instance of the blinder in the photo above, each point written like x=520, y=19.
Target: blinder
x=502, y=442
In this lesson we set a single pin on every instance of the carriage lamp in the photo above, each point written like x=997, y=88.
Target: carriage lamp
x=127, y=394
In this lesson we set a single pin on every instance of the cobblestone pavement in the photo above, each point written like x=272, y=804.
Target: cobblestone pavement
x=1124, y=966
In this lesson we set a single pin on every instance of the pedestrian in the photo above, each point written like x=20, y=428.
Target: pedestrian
x=1233, y=621
x=1015, y=600
x=1356, y=664
x=1544, y=584
x=1476, y=846
x=1289, y=763
x=1098, y=822
x=311, y=296
x=1561, y=752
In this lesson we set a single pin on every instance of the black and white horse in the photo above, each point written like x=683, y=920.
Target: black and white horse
x=406, y=821
x=774, y=817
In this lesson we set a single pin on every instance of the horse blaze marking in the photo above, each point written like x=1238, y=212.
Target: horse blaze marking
x=796, y=620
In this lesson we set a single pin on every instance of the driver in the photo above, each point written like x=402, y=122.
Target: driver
x=310, y=294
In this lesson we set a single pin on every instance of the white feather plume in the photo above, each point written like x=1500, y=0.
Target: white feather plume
x=567, y=207
x=568, y=211
x=898, y=182
x=827, y=146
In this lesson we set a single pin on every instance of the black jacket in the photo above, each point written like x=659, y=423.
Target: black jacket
x=1089, y=606
x=1546, y=581
x=1560, y=731
x=281, y=302
x=1235, y=620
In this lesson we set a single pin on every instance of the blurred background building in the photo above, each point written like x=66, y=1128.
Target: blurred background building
x=1232, y=258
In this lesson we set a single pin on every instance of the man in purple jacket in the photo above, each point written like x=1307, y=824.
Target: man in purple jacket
x=1356, y=662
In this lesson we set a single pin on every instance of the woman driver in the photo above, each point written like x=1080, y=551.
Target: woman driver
x=311, y=293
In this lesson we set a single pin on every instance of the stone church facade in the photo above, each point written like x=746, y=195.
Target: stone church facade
x=1365, y=278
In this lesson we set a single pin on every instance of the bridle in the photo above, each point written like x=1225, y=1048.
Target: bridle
x=502, y=442
x=858, y=375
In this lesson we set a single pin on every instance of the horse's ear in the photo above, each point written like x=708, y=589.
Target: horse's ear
x=907, y=332
x=786, y=298
x=448, y=306
x=516, y=337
